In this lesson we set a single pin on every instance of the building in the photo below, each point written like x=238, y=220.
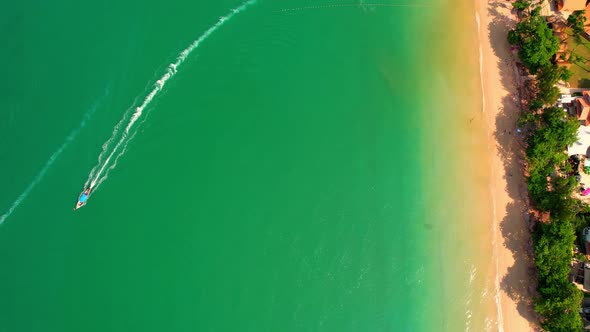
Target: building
x=570, y=6
x=565, y=99
x=583, y=108
x=580, y=275
x=586, y=238
x=585, y=312
x=582, y=144
x=587, y=14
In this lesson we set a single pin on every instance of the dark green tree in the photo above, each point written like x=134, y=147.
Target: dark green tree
x=547, y=77
x=521, y=5
x=553, y=73
x=535, y=104
x=537, y=42
x=549, y=186
x=559, y=200
x=548, y=94
x=576, y=21
x=545, y=152
x=566, y=74
x=559, y=300
x=561, y=312
x=513, y=37
x=553, y=247
x=547, y=144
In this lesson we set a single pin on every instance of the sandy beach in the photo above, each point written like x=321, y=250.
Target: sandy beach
x=514, y=278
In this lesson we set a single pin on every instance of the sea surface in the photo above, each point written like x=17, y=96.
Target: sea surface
x=311, y=166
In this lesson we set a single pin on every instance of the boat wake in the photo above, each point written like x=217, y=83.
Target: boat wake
x=52, y=159
x=125, y=130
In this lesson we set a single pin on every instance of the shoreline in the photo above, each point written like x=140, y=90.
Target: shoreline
x=512, y=239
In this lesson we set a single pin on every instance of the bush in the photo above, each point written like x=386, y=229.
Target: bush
x=513, y=38
x=527, y=118
x=535, y=104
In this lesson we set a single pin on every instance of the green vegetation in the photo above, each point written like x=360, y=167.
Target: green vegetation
x=521, y=5
x=538, y=46
x=547, y=77
x=537, y=42
x=576, y=21
x=550, y=184
x=545, y=152
x=578, y=50
x=559, y=300
x=582, y=258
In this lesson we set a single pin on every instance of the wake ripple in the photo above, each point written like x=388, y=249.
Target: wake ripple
x=52, y=160
x=100, y=172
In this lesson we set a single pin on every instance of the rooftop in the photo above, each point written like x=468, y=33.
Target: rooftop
x=585, y=106
x=565, y=99
x=571, y=5
x=581, y=146
x=548, y=9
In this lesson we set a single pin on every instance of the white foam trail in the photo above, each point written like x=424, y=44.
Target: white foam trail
x=105, y=146
x=483, y=95
x=50, y=162
x=106, y=174
x=171, y=70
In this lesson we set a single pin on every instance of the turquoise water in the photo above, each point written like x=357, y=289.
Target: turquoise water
x=275, y=185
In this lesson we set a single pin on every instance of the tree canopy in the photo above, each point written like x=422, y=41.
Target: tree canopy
x=576, y=21
x=554, y=131
x=559, y=300
x=561, y=312
x=521, y=5
x=547, y=77
x=550, y=184
x=537, y=42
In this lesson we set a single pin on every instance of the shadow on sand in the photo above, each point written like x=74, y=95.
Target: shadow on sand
x=519, y=283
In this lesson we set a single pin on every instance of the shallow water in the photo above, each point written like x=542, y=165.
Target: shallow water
x=293, y=176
